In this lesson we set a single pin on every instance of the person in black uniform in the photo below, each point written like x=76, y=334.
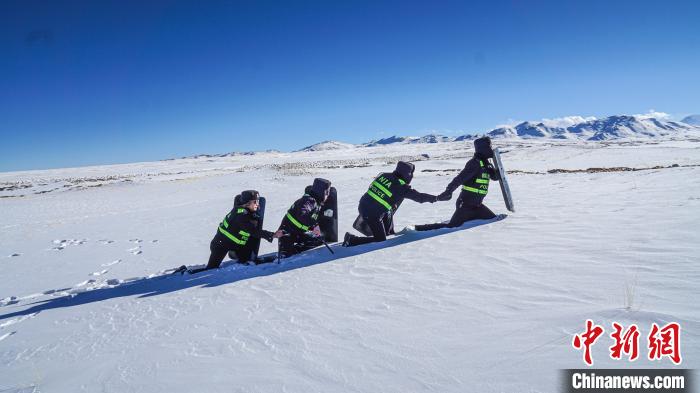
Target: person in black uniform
x=474, y=179
x=237, y=228
x=379, y=204
x=300, y=224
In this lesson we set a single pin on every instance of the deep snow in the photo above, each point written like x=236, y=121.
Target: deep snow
x=85, y=304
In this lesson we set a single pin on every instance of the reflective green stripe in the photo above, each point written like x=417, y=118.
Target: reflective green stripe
x=482, y=181
x=225, y=223
x=381, y=187
x=481, y=163
x=244, y=233
x=230, y=236
x=297, y=223
x=240, y=210
x=378, y=199
x=402, y=182
x=476, y=190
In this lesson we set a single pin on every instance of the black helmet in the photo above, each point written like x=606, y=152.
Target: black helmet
x=482, y=147
x=404, y=170
x=320, y=189
x=247, y=196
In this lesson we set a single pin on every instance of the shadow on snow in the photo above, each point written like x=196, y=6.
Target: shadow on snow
x=229, y=272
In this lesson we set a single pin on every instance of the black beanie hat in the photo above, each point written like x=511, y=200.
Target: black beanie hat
x=247, y=196
x=482, y=147
x=404, y=170
x=321, y=188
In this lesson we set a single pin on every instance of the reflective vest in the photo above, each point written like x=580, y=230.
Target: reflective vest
x=480, y=183
x=383, y=189
x=241, y=236
x=297, y=223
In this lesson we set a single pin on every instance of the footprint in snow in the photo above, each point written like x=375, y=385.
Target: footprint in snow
x=99, y=273
x=61, y=244
x=4, y=336
x=136, y=241
x=8, y=301
x=154, y=241
x=16, y=254
x=111, y=263
x=105, y=241
x=135, y=250
x=54, y=291
x=17, y=320
x=84, y=283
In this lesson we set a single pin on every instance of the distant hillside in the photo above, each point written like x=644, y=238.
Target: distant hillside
x=692, y=120
x=574, y=128
x=328, y=145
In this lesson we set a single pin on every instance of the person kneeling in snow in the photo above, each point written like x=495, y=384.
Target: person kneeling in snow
x=474, y=179
x=379, y=204
x=237, y=228
x=300, y=224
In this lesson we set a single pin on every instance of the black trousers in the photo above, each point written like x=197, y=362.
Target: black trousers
x=460, y=216
x=220, y=247
x=380, y=227
x=294, y=243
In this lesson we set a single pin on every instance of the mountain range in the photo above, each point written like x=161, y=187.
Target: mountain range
x=609, y=128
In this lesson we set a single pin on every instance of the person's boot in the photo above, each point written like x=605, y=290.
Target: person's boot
x=347, y=239
x=430, y=227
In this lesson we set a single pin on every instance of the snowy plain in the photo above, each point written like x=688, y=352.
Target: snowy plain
x=86, y=303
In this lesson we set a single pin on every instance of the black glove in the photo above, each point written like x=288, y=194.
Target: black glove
x=445, y=196
x=267, y=235
x=493, y=173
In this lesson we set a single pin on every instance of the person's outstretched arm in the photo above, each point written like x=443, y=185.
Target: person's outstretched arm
x=419, y=197
x=471, y=169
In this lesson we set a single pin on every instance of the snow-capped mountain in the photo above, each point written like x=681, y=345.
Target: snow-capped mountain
x=628, y=126
x=388, y=141
x=692, y=120
x=328, y=145
x=430, y=138
x=613, y=127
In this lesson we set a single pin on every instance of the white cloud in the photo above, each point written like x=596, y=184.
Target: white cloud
x=566, y=121
x=654, y=114
x=509, y=123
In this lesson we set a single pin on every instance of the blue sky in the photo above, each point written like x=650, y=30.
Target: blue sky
x=103, y=82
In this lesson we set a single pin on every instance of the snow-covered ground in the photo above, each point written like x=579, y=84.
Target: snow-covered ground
x=85, y=304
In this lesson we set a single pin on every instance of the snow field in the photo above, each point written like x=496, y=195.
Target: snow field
x=487, y=308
